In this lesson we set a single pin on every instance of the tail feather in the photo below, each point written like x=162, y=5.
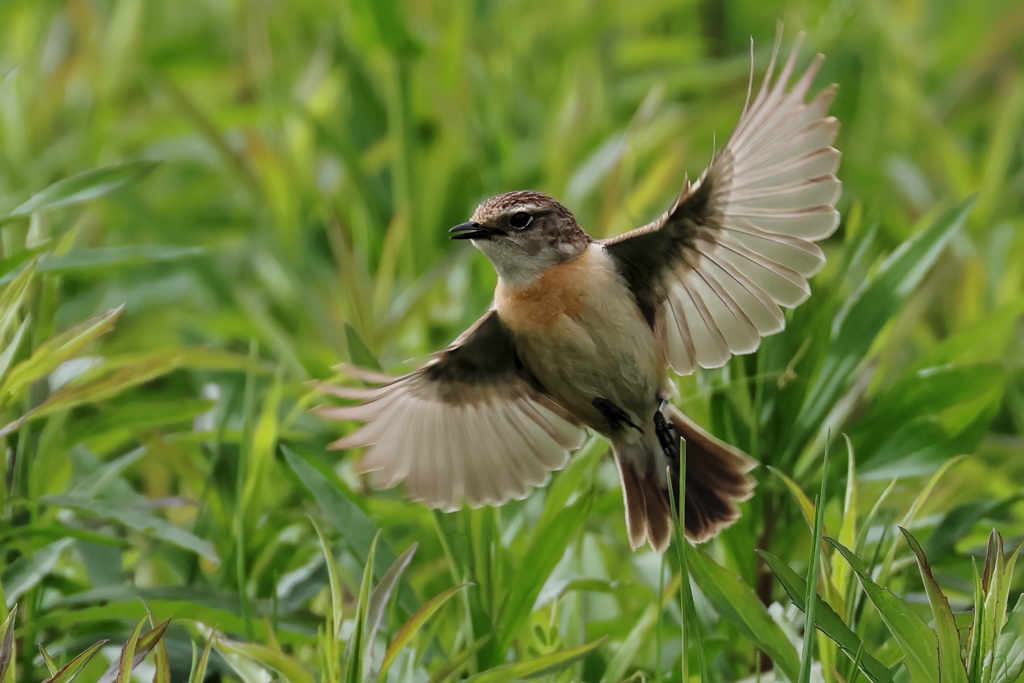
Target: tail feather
x=716, y=479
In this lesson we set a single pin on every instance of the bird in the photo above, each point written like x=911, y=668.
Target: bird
x=582, y=332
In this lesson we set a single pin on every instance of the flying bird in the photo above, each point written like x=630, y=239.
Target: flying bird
x=582, y=332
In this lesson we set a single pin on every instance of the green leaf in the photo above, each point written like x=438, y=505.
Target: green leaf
x=355, y=651
x=139, y=521
x=25, y=573
x=627, y=651
x=459, y=660
x=412, y=626
x=813, y=569
x=7, y=642
x=1008, y=659
x=859, y=323
x=951, y=666
x=802, y=501
x=358, y=352
x=546, y=548
x=50, y=665
x=107, y=258
x=357, y=530
x=133, y=652
x=289, y=669
x=825, y=618
x=382, y=594
x=126, y=662
x=123, y=372
x=739, y=605
x=198, y=672
x=535, y=668
x=12, y=298
x=916, y=640
x=54, y=351
x=75, y=666
x=84, y=187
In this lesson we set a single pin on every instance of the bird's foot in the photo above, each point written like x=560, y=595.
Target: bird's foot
x=614, y=414
x=667, y=437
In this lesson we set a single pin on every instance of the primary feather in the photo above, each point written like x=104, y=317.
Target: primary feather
x=738, y=244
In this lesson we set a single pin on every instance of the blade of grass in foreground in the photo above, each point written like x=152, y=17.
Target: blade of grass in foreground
x=825, y=617
x=810, y=599
x=915, y=639
x=690, y=627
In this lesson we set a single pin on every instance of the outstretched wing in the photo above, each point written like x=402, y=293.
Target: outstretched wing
x=471, y=425
x=711, y=274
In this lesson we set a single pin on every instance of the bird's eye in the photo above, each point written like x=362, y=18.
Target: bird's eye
x=520, y=220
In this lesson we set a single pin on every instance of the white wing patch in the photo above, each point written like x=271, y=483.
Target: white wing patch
x=773, y=194
x=484, y=446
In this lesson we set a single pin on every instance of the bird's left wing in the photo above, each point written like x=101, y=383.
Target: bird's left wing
x=471, y=425
x=712, y=272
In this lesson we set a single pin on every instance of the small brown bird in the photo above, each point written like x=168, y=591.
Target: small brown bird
x=583, y=331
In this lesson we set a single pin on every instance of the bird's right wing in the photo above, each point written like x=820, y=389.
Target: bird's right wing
x=712, y=272
x=471, y=425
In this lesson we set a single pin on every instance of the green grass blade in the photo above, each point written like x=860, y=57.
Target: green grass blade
x=354, y=652
x=357, y=530
x=458, y=661
x=546, y=549
x=47, y=660
x=198, y=672
x=737, y=603
x=1008, y=658
x=951, y=666
x=825, y=618
x=68, y=672
x=288, y=668
x=7, y=642
x=59, y=348
x=127, y=660
x=535, y=668
x=858, y=324
x=813, y=568
x=412, y=627
x=915, y=639
x=382, y=594
x=84, y=187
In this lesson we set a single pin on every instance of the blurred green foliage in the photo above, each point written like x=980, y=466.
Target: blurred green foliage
x=206, y=203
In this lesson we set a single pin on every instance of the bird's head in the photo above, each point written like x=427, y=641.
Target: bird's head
x=522, y=234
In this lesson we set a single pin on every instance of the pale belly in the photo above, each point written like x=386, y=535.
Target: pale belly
x=583, y=337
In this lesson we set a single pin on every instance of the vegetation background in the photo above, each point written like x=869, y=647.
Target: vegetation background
x=275, y=180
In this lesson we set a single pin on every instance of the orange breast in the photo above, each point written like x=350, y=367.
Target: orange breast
x=560, y=290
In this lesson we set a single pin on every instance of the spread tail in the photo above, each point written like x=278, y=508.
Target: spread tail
x=716, y=479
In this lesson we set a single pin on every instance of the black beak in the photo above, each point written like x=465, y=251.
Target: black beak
x=473, y=231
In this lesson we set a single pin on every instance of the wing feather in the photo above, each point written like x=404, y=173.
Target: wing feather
x=739, y=243
x=471, y=426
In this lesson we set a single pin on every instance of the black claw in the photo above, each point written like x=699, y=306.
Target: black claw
x=669, y=442
x=667, y=437
x=614, y=414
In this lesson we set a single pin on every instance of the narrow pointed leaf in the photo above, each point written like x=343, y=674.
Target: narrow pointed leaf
x=825, y=618
x=917, y=641
x=84, y=187
x=75, y=666
x=951, y=666
x=412, y=627
x=737, y=603
x=287, y=667
x=7, y=642
x=51, y=666
x=459, y=660
x=382, y=593
x=140, y=647
x=535, y=668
